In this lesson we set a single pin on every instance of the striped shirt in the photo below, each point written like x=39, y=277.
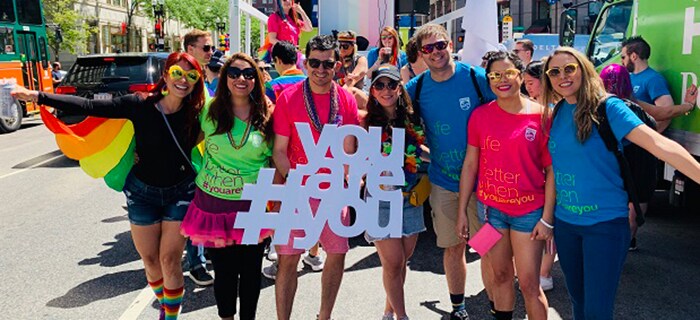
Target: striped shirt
x=274, y=87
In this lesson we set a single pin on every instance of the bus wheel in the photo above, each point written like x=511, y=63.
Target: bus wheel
x=14, y=121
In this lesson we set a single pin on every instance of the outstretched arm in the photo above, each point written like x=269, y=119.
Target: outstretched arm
x=666, y=150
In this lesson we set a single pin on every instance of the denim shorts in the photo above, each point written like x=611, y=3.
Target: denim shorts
x=500, y=220
x=413, y=222
x=149, y=205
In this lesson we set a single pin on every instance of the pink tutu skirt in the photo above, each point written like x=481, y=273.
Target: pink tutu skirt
x=209, y=221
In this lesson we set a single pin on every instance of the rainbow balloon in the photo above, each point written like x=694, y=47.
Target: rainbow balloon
x=104, y=147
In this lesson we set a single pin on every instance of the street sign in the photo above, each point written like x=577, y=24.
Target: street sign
x=507, y=28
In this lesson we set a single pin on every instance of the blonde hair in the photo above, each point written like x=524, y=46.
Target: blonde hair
x=588, y=97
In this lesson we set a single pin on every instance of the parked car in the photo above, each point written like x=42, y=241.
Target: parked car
x=104, y=76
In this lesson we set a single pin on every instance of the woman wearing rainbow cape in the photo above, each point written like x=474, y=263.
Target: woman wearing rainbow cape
x=159, y=126
x=286, y=24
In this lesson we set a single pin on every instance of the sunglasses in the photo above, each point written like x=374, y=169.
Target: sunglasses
x=379, y=86
x=176, y=73
x=208, y=47
x=327, y=64
x=429, y=48
x=346, y=45
x=516, y=51
x=510, y=74
x=386, y=37
x=569, y=69
x=235, y=73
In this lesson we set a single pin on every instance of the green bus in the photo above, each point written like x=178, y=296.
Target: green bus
x=24, y=53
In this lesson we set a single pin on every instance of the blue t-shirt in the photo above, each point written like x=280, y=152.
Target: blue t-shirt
x=445, y=108
x=211, y=86
x=373, y=55
x=589, y=186
x=649, y=85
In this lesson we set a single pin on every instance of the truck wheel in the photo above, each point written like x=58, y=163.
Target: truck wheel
x=14, y=122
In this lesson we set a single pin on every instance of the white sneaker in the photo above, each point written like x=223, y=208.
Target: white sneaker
x=272, y=254
x=547, y=283
x=316, y=263
x=270, y=271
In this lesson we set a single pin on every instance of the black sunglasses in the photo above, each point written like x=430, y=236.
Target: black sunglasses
x=327, y=64
x=248, y=73
x=208, y=47
x=346, y=45
x=429, y=48
x=379, y=86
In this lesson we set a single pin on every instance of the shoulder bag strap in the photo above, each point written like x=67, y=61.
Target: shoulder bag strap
x=172, y=134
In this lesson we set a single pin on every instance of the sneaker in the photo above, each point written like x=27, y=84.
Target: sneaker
x=270, y=271
x=316, y=263
x=459, y=315
x=547, y=283
x=388, y=316
x=272, y=254
x=633, y=245
x=201, y=277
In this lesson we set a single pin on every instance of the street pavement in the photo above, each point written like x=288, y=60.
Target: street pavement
x=67, y=254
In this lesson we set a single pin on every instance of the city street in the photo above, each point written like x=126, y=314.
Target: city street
x=68, y=254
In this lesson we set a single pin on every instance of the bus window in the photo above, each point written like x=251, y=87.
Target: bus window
x=42, y=53
x=29, y=12
x=7, y=41
x=7, y=12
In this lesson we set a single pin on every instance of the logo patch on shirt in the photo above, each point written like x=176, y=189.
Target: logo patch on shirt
x=465, y=103
x=256, y=140
x=530, y=134
x=636, y=88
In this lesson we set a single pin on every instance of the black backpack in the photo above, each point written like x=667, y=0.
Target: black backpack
x=639, y=175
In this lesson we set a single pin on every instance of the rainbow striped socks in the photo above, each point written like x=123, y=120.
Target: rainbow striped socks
x=157, y=287
x=172, y=298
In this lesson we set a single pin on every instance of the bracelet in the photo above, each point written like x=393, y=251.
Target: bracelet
x=546, y=224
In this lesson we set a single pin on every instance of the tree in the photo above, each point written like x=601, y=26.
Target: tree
x=75, y=30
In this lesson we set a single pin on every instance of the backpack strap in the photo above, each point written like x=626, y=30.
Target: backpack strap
x=472, y=73
x=416, y=99
x=611, y=143
x=556, y=110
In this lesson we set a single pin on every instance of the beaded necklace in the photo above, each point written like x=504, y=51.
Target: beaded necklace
x=244, y=139
x=311, y=106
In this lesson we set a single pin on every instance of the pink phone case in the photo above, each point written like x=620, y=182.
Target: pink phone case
x=485, y=239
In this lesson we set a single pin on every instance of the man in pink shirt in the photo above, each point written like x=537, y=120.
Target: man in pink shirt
x=318, y=100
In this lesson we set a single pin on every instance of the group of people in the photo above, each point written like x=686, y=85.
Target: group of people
x=497, y=159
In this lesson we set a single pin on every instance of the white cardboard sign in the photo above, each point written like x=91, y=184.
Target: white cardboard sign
x=295, y=211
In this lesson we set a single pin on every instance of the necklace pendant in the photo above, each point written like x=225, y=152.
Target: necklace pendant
x=182, y=167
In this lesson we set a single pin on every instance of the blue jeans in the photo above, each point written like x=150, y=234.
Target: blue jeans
x=195, y=256
x=591, y=258
x=501, y=220
x=148, y=205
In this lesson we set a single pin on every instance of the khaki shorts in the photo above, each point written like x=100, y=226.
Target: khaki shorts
x=445, y=204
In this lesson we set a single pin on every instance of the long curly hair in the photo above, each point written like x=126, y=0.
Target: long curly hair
x=193, y=102
x=221, y=108
x=588, y=96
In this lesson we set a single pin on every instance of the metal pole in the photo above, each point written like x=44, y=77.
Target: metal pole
x=247, y=34
x=234, y=14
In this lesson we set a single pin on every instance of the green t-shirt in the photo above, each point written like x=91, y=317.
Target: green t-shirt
x=225, y=170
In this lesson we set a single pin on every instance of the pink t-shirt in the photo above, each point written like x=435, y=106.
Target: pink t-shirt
x=286, y=30
x=290, y=108
x=512, y=157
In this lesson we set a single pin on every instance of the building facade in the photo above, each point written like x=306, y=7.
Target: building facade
x=110, y=18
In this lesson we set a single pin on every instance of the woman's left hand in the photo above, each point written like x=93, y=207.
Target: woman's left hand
x=298, y=8
x=541, y=232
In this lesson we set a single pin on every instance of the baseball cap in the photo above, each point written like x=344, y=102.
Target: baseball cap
x=216, y=61
x=386, y=70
